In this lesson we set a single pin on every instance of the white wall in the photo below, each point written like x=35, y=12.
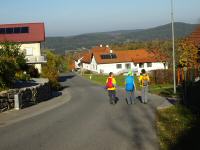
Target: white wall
x=34, y=46
x=93, y=65
x=155, y=66
x=86, y=66
x=107, y=68
x=77, y=64
x=32, y=49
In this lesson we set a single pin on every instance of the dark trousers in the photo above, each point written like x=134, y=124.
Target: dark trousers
x=112, y=96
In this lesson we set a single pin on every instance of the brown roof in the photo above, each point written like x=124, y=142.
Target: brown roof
x=137, y=56
x=86, y=56
x=36, y=33
x=195, y=36
x=100, y=49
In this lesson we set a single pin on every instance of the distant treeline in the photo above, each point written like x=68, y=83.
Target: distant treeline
x=61, y=44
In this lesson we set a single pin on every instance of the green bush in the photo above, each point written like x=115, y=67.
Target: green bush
x=55, y=85
x=11, y=61
x=87, y=72
x=22, y=76
x=33, y=72
x=51, y=69
x=161, y=76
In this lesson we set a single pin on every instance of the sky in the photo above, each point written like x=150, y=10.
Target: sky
x=73, y=17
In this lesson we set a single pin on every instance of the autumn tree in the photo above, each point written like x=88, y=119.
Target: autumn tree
x=189, y=53
x=51, y=69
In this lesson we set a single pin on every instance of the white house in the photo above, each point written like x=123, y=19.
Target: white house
x=104, y=60
x=30, y=36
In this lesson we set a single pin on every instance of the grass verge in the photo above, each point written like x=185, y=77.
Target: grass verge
x=178, y=128
x=160, y=89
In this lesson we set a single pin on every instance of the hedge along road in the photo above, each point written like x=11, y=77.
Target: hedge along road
x=86, y=122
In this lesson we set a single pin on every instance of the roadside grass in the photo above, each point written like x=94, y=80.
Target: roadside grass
x=165, y=90
x=159, y=89
x=178, y=128
x=101, y=79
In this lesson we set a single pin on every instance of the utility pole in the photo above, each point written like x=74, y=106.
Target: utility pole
x=173, y=45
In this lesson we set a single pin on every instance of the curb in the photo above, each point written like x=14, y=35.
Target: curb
x=14, y=116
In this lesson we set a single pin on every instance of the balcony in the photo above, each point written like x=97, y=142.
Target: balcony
x=35, y=59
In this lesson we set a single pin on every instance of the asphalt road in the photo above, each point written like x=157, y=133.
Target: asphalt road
x=86, y=122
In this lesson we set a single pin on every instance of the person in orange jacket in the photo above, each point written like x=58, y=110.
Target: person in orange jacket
x=111, y=88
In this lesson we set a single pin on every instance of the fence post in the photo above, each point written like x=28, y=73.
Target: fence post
x=16, y=100
x=185, y=85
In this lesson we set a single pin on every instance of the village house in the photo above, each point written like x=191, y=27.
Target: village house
x=29, y=36
x=104, y=60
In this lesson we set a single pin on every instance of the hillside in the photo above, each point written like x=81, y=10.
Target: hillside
x=61, y=44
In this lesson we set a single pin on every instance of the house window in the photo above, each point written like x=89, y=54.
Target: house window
x=165, y=65
x=119, y=66
x=149, y=64
x=17, y=30
x=9, y=30
x=108, y=56
x=14, y=30
x=128, y=66
x=141, y=65
x=29, y=51
x=24, y=29
x=135, y=64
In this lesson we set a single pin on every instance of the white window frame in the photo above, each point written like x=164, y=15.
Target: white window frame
x=149, y=64
x=119, y=67
x=141, y=65
x=129, y=66
x=29, y=51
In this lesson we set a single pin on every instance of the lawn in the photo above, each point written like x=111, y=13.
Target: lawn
x=159, y=89
x=178, y=129
x=101, y=79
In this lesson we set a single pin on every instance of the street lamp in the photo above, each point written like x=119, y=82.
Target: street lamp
x=173, y=45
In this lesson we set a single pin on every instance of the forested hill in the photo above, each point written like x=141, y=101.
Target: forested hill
x=61, y=44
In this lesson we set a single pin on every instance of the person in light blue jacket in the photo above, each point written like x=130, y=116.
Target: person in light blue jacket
x=130, y=88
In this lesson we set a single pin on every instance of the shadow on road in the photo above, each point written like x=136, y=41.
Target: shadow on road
x=24, y=84
x=64, y=78
x=137, y=126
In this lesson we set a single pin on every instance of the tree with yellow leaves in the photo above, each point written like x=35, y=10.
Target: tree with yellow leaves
x=189, y=53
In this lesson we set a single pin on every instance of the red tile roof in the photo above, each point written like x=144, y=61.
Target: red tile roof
x=137, y=56
x=36, y=33
x=86, y=56
x=195, y=36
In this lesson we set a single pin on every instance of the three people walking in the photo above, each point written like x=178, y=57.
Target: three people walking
x=130, y=87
